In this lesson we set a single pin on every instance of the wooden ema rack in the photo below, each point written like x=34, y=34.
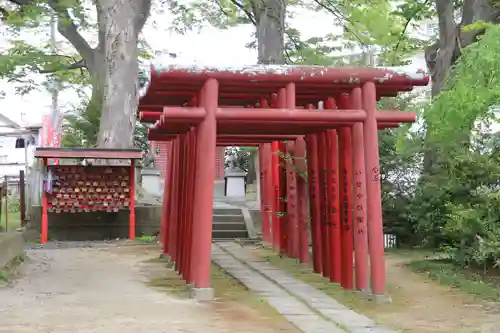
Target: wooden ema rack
x=89, y=189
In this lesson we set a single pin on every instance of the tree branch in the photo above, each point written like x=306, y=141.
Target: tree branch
x=340, y=17
x=4, y=12
x=244, y=10
x=407, y=23
x=80, y=64
x=143, y=14
x=69, y=30
x=21, y=2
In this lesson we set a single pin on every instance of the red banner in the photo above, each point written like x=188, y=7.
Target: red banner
x=51, y=137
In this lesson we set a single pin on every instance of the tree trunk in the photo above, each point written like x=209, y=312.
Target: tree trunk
x=121, y=23
x=269, y=20
x=270, y=29
x=97, y=77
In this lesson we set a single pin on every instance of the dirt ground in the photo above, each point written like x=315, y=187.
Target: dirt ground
x=419, y=305
x=104, y=289
x=423, y=305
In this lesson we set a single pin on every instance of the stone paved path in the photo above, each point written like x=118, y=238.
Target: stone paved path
x=306, y=307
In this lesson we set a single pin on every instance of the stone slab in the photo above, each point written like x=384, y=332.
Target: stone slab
x=292, y=309
x=322, y=303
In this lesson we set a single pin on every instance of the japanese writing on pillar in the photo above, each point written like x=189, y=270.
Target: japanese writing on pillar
x=325, y=197
x=345, y=200
x=358, y=211
x=333, y=199
x=314, y=182
x=375, y=175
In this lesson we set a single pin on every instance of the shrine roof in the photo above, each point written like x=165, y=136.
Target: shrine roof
x=45, y=152
x=175, y=84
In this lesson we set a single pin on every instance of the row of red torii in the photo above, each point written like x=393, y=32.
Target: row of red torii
x=327, y=114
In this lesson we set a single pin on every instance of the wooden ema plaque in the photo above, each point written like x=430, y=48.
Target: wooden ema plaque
x=89, y=189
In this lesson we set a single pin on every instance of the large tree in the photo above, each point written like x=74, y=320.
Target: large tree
x=461, y=22
x=111, y=66
x=268, y=17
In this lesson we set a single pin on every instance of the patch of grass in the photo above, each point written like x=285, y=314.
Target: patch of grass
x=7, y=271
x=146, y=239
x=156, y=260
x=470, y=281
x=350, y=298
x=14, y=220
x=411, y=253
x=226, y=288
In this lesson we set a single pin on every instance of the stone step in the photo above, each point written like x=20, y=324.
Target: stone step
x=229, y=234
x=228, y=218
x=216, y=226
x=226, y=211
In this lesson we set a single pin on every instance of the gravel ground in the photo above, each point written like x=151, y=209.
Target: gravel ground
x=99, y=287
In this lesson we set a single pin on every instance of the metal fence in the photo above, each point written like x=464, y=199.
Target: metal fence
x=12, y=201
x=390, y=241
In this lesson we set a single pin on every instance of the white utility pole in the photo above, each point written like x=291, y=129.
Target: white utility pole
x=55, y=84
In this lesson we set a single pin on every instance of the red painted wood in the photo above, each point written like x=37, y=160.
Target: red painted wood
x=282, y=192
x=259, y=125
x=334, y=216
x=264, y=200
x=131, y=184
x=174, y=204
x=359, y=211
x=167, y=198
x=90, y=153
x=203, y=197
x=45, y=216
x=302, y=211
x=323, y=154
x=373, y=190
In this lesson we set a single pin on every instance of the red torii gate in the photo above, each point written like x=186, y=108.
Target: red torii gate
x=330, y=113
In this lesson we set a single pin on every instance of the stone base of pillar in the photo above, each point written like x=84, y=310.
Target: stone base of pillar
x=202, y=294
x=381, y=299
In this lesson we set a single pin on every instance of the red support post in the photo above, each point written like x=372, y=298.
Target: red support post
x=268, y=178
x=283, y=216
x=131, y=231
x=45, y=216
x=277, y=101
x=314, y=200
x=192, y=181
x=291, y=184
x=174, y=202
x=324, y=201
x=275, y=197
x=190, y=189
x=185, y=207
x=263, y=166
x=373, y=189
x=359, y=211
x=345, y=182
x=303, y=232
x=181, y=232
x=291, y=203
x=334, y=239
x=167, y=197
x=203, y=196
